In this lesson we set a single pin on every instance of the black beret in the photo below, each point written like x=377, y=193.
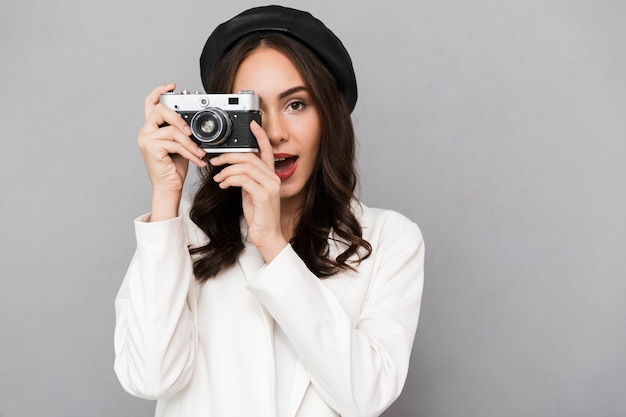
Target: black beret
x=298, y=24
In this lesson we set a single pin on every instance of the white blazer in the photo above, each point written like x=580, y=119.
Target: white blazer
x=208, y=350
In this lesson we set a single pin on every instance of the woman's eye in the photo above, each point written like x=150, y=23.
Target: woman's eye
x=296, y=105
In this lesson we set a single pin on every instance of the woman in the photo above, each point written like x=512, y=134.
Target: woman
x=276, y=293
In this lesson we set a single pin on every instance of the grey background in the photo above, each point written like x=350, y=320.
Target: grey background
x=498, y=126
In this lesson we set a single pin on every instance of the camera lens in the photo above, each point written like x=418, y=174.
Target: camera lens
x=211, y=126
x=207, y=126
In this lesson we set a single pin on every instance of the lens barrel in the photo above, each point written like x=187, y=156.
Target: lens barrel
x=212, y=125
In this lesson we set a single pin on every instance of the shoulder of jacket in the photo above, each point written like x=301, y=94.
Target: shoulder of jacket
x=372, y=216
x=378, y=223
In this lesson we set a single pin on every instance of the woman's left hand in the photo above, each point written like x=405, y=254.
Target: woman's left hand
x=254, y=173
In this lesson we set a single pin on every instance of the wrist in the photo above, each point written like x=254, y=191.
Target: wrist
x=271, y=249
x=165, y=204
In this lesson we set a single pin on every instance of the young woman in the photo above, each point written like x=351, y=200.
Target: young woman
x=274, y=292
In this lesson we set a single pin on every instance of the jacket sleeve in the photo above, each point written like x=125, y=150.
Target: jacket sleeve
x=359, y=370
x=155, y=332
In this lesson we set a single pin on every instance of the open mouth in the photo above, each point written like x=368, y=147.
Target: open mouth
x=285, y=165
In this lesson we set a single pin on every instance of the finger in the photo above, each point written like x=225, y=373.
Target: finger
x=173, y=133
x=244, y=163
x=255, y=169
x=233, y=158
x=162, y=115
x=165, y=148
x=153, y=98
x=237, y=158
x=168, y=134
x=266, y=152
x=258, y=191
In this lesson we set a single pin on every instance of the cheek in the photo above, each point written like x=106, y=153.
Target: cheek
x=312, y=145
x=312, y=135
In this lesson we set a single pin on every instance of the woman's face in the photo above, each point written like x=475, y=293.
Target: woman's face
x=289, y=116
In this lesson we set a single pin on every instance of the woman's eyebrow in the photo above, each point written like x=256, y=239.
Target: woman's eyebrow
x=291, y=91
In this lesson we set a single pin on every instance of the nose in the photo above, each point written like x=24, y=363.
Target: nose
x=275, y=128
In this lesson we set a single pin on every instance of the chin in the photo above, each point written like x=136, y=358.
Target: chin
x=290, y=191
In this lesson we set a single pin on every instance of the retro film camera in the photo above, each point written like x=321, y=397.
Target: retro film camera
x=219, y=122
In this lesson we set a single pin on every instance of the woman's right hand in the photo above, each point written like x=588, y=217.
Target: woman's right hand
x=166, y=149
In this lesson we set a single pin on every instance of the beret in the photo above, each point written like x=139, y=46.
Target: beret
x=298, y=24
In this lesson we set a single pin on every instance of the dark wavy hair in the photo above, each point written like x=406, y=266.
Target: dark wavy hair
x=329, y=192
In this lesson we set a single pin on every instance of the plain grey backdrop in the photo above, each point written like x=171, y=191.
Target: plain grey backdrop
x=498, y=126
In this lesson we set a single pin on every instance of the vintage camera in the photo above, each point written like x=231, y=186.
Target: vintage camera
x=219, y=122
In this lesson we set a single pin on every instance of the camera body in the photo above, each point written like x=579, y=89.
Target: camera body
x=219, y=122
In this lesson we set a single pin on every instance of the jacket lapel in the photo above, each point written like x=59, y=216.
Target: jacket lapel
x=251, y=262
x=299, y=387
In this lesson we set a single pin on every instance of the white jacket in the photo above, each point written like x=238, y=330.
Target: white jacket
x=207, y=350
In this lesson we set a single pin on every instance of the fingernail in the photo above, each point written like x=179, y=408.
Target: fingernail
x=187, y=129
x=200, y=151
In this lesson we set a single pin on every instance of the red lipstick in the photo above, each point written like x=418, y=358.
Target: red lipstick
x=285, y=165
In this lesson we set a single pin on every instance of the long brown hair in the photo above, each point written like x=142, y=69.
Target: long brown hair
x=329, y=192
